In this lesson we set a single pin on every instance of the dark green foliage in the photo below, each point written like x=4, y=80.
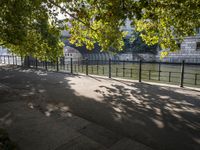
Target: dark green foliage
x=31, y=27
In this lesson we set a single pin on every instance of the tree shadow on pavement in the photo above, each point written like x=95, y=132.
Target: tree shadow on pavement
x=161, y=117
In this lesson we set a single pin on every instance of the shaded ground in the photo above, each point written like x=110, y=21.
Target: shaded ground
x=43, y=110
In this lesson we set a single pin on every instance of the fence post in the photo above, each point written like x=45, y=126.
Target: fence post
x=195, y=79
x=71, y=64
x=16, y=60
x=123, y=68
x=131, y=72
x=140, y=71
x=13, y=59
x=92, y=67
x=36, y=63
x=97, y=66
x=57, y=66
x=109, y=68
x=64, y=63
x=182, y=73
x=21, y=60
x=86, y=61
x=78, y=65
x=8, y=59
x=82, y=65
x=159, y=70
x=28, y=61
x=170, y=76
x=45, y=64
x=149, y=74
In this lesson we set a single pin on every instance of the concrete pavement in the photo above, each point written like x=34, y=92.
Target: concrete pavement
x=53, y=111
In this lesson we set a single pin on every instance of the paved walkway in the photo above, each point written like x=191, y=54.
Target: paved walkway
x=55, y=111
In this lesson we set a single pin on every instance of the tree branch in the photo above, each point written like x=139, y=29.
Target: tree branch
x=2, y=44
x=71, y=15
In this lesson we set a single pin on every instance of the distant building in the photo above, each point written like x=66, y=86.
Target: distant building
x=70, y=52
x=96, y=53
x=4, y=51
x=189, y=50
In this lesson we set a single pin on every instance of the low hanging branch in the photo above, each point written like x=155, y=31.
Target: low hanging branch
x=2, y=44
x=71, y=15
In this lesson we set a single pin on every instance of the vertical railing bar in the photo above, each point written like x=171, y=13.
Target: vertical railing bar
x=71, y=64
x=182, y=73
x=140, y=71
x=109, y=68
x=159, y=71
x=86, y=62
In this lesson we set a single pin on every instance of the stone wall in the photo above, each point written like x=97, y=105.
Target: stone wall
x=188, y=51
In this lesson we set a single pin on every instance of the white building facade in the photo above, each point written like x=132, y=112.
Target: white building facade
x=70, y=52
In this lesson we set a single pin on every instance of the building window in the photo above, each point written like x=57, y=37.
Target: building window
x=198, y=46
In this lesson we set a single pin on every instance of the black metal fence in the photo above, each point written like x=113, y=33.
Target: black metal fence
x=172, y=73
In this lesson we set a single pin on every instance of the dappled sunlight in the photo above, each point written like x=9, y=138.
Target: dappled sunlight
x=154, y=115
x=156, y=107
x=42, y=73
x=49, y=109
x=26, y=70
x=159, y=123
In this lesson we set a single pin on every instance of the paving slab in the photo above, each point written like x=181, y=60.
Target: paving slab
x=70, y=120
x=81, y=143
x=128, y=144
x=100, y=134
x=32, y=130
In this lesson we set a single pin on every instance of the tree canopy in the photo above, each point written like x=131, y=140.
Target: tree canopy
x=31, y=27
